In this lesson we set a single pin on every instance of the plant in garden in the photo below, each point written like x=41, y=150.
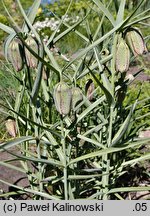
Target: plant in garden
x=82, y=132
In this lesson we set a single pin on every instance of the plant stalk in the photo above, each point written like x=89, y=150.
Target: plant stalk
x=65, y=160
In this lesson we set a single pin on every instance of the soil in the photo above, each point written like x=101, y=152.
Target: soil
x=12, y=176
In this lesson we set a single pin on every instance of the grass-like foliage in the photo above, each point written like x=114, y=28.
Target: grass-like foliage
x=74, y=135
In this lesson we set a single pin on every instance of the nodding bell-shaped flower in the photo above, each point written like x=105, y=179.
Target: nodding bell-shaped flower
x=11, y=127
x=62, y=98
x=76, y=97
x=32, y=61
x=15, y=54
x=122, y=56
x=136, y=42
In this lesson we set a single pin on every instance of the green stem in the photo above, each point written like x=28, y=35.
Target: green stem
x=27, y=124
x=110, y=126
x=105, y=177
x=105, y=158
x=113, y=67
x=65, y=159
x=113, y=71
x=40, y=166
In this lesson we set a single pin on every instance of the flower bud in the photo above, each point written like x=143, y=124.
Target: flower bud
x=11, y=127
x=76, y=97
x=15, y=54
x=89, y=88
x=62, y=98
x=136, y=42
x=32, y=61
x=122, y=56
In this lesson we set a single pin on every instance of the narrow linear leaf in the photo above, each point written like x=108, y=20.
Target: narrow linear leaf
x=32, y=14
x=28, y=22
x=142, y=13
x=10, y=194
x=37, y=160
x=123, y=127
x=77, y=32
x=15, y=142
x=100, y=24
x=10, y=166
x=105, y=80
x=19, y=97
x=93, y=66
x=107, y=91
x=137, y=21
x=12, y=21
x=51, y=197
x=93, y=129
x=105, y=11
x=90, y=108
x=60, y=23
x=58, y=149
x=37, y=83
x=79, y=177
x=120, y=14
x=94, y=44
x=129, y=189
x=52, y=58
x=6, y=28
x=68, y=30
x=7, y=43
x=123, y=189
x=110, y=150
x=137, y=160
x=132, y=14
x=91, y=141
